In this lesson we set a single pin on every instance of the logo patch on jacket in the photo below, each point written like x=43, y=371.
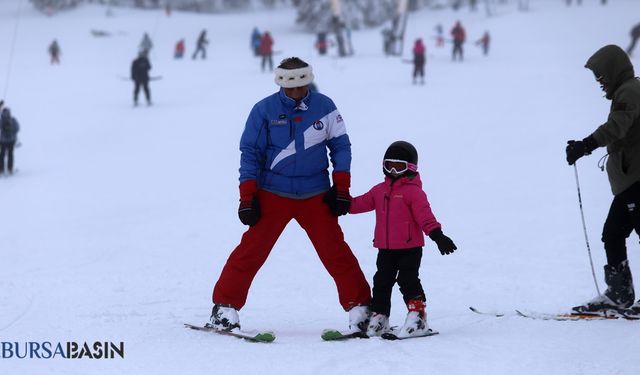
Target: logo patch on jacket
x=279, y=122
x=318, y=125
x=339, y=118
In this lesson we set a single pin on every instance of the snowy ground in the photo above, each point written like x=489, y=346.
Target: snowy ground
x=120, y=219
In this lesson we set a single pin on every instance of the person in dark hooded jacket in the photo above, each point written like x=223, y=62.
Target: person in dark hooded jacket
x=9, y=129
x=620, y=134
x=140, y=76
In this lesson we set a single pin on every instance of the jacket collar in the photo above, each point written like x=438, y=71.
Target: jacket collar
x=289, y=103
x=388, y=181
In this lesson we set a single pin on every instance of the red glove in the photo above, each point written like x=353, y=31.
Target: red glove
x=249, y=210
x=338, y=198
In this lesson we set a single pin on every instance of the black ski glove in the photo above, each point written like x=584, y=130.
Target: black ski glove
x=249, y=212
x=445, y=244
x=338, y=201
x=577, y=149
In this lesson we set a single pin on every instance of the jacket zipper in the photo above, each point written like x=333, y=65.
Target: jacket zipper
x=386, y=204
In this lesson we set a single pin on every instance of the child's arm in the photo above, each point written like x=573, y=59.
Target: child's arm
x=362, y=203
x=421, y=210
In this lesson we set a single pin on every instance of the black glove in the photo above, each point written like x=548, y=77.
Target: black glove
x=338, y=201
x=249, y=212
x=577, y=149
x=445, y=244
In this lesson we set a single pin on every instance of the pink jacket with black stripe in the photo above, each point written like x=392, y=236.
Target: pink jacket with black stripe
x=402, y=210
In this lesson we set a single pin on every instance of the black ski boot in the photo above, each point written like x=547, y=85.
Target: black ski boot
x=619, y=294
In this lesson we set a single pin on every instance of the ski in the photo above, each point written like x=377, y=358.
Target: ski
x=265, y=337
x=335, y=335
x=393, y=336
x=496, y=314
x=573, y=316
x=605, y=315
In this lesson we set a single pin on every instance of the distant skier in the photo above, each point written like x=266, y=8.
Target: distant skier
x=283, y=180
x=484, y=43
x=322, y=43
x=179, y=50
x=459, y=36
x=54, y=52
x=439, y=36
x=145, y=44
x=388, y=41
x=266, y=50
x=403, y=214
x=635, y=35
x=140, y=76
x=419, y=61
x=201, y=45
x=621, y=135
x=9, y=129
x=256, y=38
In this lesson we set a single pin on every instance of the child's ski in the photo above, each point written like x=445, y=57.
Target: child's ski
x=393, y=336
x=335, y=335
x=266, y=336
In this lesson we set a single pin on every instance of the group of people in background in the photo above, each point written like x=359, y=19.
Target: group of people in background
x=459, y=36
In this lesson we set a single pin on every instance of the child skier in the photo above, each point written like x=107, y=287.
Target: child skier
x=402, y=214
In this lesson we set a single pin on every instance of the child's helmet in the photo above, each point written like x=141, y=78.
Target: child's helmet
x=402, y=150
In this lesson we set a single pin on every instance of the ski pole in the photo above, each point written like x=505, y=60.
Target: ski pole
x=11, y=51
x=584, y=228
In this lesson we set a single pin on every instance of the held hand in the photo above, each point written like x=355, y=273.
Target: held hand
x=577, y=149
x=339, y=201
x=445, y=244
x=249, y=212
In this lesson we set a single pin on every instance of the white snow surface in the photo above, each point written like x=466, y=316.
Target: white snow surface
x=120, y=219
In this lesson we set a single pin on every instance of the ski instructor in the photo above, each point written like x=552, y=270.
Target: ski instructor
x=283, y=176
x=621, y=135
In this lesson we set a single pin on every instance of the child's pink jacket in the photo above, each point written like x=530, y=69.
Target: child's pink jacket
x=402, y=213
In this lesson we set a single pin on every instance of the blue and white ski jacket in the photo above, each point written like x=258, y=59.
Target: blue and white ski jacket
x=284, y=145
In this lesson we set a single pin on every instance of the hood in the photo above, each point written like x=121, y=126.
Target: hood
x=613, y=64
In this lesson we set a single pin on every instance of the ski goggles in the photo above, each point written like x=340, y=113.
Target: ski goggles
x=398, y=166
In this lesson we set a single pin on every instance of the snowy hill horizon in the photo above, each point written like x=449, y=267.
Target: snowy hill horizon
x=120, y=218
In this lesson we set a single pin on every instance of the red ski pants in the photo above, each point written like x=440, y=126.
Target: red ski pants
x=325, y=234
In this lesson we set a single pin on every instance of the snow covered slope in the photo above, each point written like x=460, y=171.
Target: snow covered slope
x=120, y=219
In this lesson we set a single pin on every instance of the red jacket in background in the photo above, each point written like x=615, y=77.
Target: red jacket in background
x=266, y=44
x=458, y=33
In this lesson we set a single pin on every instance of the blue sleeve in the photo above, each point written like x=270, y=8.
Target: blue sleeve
x=338, y=142
x=340, y=153
x=253, y=145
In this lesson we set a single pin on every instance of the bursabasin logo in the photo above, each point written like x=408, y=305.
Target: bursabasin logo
x=61, y=350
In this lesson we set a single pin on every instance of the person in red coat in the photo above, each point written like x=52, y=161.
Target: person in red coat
x=266, y=45
x=459, y=37
x=419, y=60
x=179, y=52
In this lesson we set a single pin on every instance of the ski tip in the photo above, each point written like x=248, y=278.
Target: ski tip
x=331, y=334
x=265, y=337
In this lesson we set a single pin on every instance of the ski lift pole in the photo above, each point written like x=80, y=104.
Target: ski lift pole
x=584, y=228
x=11, y=52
